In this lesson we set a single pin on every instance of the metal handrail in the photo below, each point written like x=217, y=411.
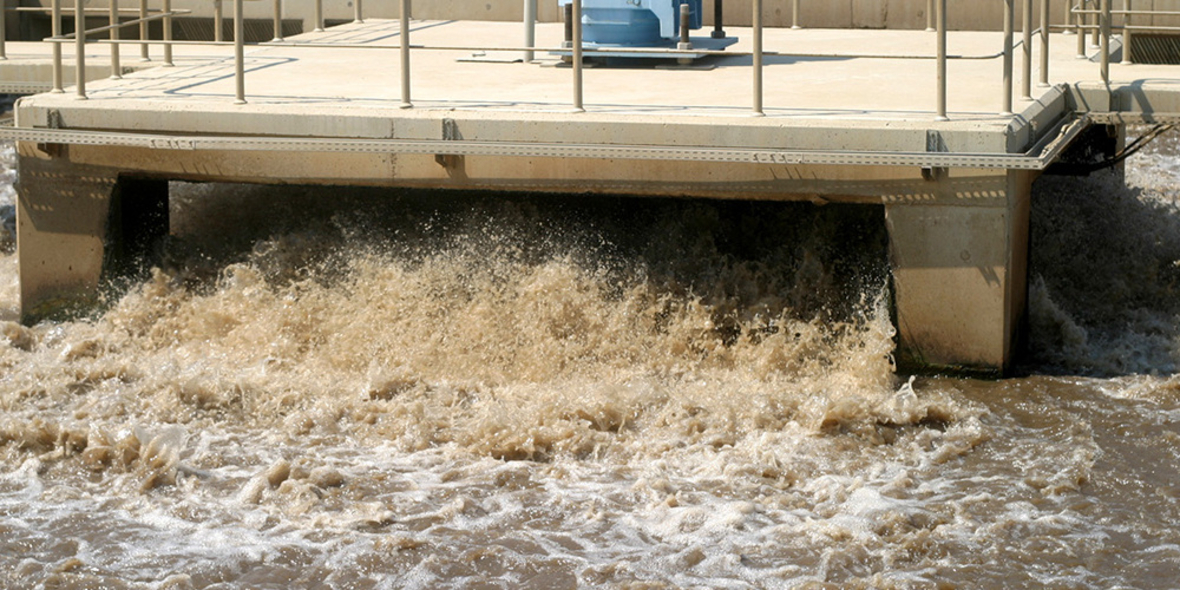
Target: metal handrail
x=1076, y=22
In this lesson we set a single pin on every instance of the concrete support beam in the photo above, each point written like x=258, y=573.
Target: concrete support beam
x=960, y=276
x=79, y=226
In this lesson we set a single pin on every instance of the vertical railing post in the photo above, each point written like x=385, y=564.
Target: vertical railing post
x=530, y=29
x=80, y=48
x=794, y=15
x=1104, y=28
x=278, y=20
x=941, y=34
x=3, y=26
x=218, y=21
x=1026, y=55
x=576, y=42
x=1068, y=20
x=167, y=32
x=1080, y=21
x=1044, y=43
x=358, y=14
x=55, y=30
x=143, y=32
x=1096, y=37
x=319, y=16
x=1127, y=24
x=116, y=68
x=930, y=16
x=1009, y=17
x=239, y=55
x=757, y=12
x=404, y=50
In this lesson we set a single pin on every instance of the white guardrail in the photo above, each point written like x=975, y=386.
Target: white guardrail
x=1085, y=17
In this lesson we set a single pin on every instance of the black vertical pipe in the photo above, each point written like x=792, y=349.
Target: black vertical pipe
x=718, y=9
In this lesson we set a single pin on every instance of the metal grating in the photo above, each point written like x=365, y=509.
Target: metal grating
x=257, y=30
x=1154, y=48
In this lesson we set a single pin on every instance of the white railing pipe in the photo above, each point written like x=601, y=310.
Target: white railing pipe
x=80, y=48
x=576, y=42
x=530, y=29
x=3, y=26
x=1104, y=29
x=1044, y=44
x=239, y=55
x=404, y=52
x=218, y=21
x=1026, y=54
x=941, y=78
x=167, y=32
x=319, y=16
x=278, y=20
x=55, y=31
x=144, y=54
x=1009, y=18
x=116, y=68
x=757, y=57
x=1128, y=25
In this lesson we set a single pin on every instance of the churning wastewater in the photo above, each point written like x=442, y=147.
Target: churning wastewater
x=345, y=388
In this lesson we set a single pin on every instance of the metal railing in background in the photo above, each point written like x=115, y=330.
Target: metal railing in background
x=1079, y=20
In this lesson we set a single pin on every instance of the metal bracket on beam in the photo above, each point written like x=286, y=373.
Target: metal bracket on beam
x=450, y=132
x=934, y=144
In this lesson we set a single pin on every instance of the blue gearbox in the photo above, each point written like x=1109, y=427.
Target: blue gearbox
x=634, y=23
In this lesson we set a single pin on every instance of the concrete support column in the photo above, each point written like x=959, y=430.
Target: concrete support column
x=960, y=266
x=78, y=227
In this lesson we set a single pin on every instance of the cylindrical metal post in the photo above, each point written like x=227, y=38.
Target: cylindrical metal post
x=568, y=16
x=530, y=29
x=319, y=16
x=1044, y=43
x=576, y=17
x=2, y=27
x=218, y=21
x=757, y=12
x=794, y=14
x=1080, y=20
x=143, y=31
x=55, y=30
x=941, y=20
x=1026, y=55
x=1009, y=25
x=1068, y=20
x=1096, y=37
x=404, y=50
x=116, y=69
x=80, y=48
x=929, y=16
x=685, y=22
x=1104, y=28
x=1127, y=24
x=358, y=14
x=278, y=20
x=167, y=32
x=239, y=55
x=718, y=19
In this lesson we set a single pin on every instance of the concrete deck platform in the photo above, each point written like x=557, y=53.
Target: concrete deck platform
x=29, y=67
x=836, y=128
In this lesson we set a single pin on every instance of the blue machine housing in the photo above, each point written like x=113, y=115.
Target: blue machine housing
x=634, y=23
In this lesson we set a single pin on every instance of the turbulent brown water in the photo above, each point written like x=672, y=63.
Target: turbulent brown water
x=370, y=389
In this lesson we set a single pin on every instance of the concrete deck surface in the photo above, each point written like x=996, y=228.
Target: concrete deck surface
x=351, y=92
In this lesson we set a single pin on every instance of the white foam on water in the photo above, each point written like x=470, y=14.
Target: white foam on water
x=313, y=411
